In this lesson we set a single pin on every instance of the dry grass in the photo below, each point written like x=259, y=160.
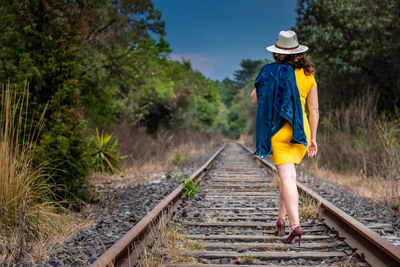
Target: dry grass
x=20, y=246
x=150, y=259
x=209, y=219
x=151, y=156
x=39, y=249
x=247, y=257
x=169, y=242
x=276, y=180
x=247, y=140
x=358, y=183
x=309, y=207
x=361, y=150
x=29, y=220
x=346, y=137
x=375, y=188
x=346, y=264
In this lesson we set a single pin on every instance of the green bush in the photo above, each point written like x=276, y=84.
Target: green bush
x=355, y=42
x=206, y=106
x=189, y=187
x=231, y=121
x=67, y=151
x=106, y=157
x=179, y=159
x=236, y=124
x=238, y=116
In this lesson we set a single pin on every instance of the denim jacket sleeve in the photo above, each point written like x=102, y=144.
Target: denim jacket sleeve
x=264, y=112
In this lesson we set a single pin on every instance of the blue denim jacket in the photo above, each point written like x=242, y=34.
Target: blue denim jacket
x=278, y=100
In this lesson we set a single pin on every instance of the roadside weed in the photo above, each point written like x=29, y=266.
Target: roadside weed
x=190, y=188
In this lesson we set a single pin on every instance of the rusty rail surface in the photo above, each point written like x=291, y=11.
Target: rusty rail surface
x=376, y=250
x=119, y=250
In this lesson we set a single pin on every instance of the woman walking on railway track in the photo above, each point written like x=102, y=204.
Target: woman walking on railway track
x=283, y=131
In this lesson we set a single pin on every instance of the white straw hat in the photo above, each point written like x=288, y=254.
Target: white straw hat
x=287, y=44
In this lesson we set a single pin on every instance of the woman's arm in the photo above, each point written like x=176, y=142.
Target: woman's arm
x=312, y=101
x=254, y=97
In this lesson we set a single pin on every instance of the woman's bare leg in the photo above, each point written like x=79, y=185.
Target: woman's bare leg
x=288, y=188
x=282, y=205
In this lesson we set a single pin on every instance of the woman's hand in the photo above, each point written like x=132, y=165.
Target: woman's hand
x=312, y=100
x=254, y=97
x=312, y=149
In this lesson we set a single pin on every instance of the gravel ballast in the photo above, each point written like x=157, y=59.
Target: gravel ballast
x=361, y=208
x=117, y=212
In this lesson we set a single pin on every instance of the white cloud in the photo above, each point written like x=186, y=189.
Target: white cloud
x=199, y=62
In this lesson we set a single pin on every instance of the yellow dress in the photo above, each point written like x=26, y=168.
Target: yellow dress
x=282, y=150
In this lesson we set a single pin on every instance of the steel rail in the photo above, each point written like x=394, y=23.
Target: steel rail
x=375, y=250
x=119, y=250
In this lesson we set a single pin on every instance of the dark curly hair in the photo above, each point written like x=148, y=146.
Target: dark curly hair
x=297, y=61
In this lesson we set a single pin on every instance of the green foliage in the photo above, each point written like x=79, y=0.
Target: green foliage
x=95, y=64
x=206, y=109
x=41, y=44
x=79, y=57
x=355, y=42
x=355, y=46
x=190, y=188
x=154, y=102
x=99, y=95
x=172, y=94
x=179, y=159
x=228, y=90
x=123, y=64
x=235, y=122
x=239, y=117
x=250, y=257
x=168, y=176
x=106, y=154
x=66, y=149
x=248, y=67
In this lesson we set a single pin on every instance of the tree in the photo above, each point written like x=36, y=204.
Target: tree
x=119, y=55
x=235, y=95
x=228, y=89
x=71, y=52
x=355, y=45
x=248, y=68
x=40, y=44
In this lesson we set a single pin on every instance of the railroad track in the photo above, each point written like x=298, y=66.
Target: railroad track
x=231, y=221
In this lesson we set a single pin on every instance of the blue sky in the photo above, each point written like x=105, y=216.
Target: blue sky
x=215, y=35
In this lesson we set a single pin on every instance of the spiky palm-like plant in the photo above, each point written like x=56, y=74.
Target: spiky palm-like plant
x=107, y=158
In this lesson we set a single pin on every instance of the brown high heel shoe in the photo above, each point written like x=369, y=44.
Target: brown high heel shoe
x=280, y=227
x=298, y=231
